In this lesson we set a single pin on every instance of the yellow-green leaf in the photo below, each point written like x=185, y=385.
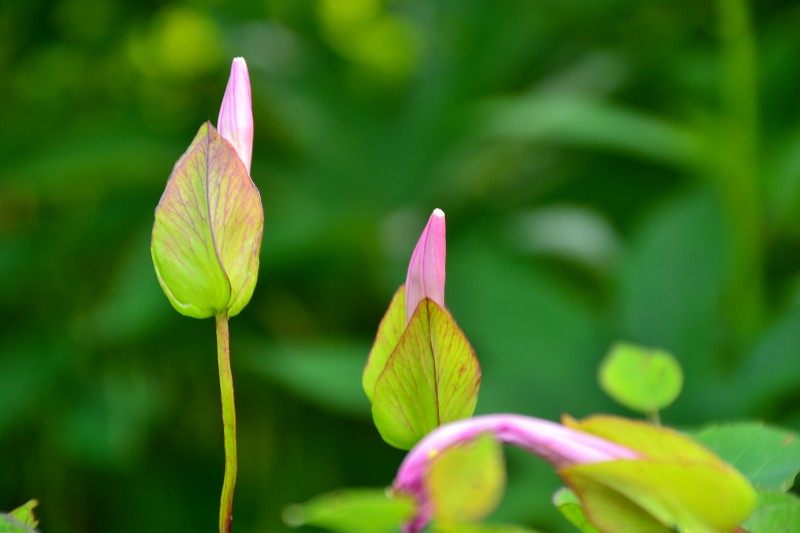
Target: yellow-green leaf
x=24, y=514
x=678, y=482
x=603, y=509
x=207, y=231
x=687, y=496
x=467, y=482
x=389, y=332
x=20, y=520
x=641, y=379
x=431, y=378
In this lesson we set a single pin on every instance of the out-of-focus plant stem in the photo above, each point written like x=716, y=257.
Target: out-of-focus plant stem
x=738, y=169
x=228, y=423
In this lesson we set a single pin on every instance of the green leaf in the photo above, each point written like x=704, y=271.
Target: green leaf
x=353, y=511
x=431, y=378
x=775, y=513
x=768, y=456
x=570, y=506
x=207, y=231
x=20, y=520
x=641, y=379
x=609, y=510
x=389, y=332
x=466, y=482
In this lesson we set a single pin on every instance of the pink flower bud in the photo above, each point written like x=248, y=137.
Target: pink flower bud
x=235, y=122
x=426, y=269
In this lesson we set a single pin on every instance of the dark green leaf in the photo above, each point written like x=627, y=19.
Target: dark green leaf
x=775, y=513
x=768, y=456
x=576, y=119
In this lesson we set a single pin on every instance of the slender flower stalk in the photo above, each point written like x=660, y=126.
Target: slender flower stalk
x=557, y=444
x=426, y=270
x=228, y=423
x=235, y=124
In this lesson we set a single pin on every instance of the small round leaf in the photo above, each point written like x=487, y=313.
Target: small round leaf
x=641, y=379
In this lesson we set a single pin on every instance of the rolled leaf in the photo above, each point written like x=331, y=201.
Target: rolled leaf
x=207, y=231
x=431, y=378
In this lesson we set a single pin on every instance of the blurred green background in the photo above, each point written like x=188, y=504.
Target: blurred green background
x=610, y=169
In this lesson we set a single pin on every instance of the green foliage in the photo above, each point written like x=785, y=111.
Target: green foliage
x=207, y=233
x=641, y=379
x=103, y=385
x=320, y=373
x=431, y=378
x=353, y=511
x=775, y=512
x=768, y=456
x=586, y=121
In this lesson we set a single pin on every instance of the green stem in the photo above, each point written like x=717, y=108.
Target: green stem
x=739, y=166
x=655, y=418
x=228, y=423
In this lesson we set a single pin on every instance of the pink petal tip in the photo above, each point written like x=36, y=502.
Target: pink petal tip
x=426, y=270
x=235, y=122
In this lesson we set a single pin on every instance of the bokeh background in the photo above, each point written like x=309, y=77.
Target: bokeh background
x=611, y=170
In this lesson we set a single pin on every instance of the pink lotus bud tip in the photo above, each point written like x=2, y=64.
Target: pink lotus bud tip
x=235, y=123
x=426, y=270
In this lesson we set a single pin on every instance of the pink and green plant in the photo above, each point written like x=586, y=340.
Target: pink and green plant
x=207, y=237
x=422, y=378
x=422, y=371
